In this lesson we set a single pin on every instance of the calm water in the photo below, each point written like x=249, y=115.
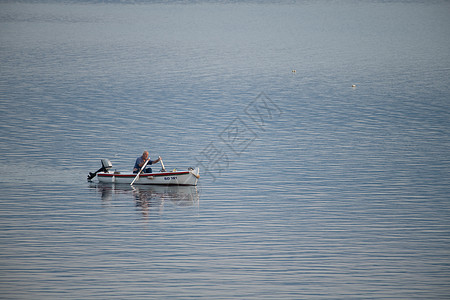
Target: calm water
x=310, y=188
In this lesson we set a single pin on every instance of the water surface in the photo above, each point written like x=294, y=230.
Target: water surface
x=310, y=188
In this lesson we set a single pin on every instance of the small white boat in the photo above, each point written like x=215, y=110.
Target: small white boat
x=175, y=177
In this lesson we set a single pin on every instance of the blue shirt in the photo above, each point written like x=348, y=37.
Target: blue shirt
x=139, y=160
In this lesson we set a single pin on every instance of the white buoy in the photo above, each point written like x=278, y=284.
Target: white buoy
x=353, y=85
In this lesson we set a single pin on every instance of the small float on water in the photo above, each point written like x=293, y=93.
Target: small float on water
x=175, y=177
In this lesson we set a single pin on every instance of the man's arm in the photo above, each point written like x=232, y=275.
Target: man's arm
x=141, y=163
x=155, y=161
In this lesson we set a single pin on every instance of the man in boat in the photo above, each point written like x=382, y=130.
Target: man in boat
x=140, y=161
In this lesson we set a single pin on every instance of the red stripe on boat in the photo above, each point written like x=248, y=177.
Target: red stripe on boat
x=143, y=174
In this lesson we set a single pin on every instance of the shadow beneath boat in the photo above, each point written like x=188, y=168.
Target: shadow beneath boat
x=150, y=197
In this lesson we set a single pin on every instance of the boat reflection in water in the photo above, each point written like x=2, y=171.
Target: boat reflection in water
x=149, y=198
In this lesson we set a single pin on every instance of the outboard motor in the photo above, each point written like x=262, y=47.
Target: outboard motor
x=106, y=166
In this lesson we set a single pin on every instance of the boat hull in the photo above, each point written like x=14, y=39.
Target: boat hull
x=189, y=177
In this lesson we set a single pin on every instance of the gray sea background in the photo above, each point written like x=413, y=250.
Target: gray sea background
x=321, y=129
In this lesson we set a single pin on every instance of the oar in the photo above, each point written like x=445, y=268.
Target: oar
x=137, y=176
x=162, y=164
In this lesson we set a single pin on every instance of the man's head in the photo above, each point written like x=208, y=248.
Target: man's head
x=145, y=155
